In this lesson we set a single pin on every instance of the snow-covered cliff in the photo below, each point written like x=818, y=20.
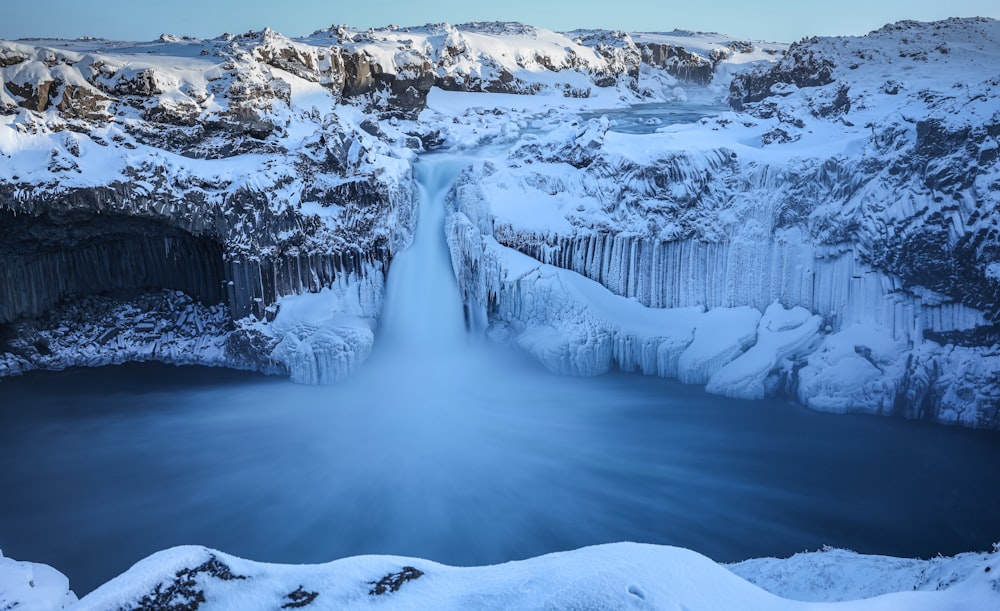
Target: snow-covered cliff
x=158, y=200
x=185, y=165
x=857, y=181
x=866, y=203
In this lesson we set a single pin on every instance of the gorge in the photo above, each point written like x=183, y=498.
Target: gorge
x=281, y=167
x=394, y=209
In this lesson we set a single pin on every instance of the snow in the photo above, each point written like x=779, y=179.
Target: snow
x=782, y=335
x=853, y=369
x=993, y=271
x=722, y=335
x=324, y=337
x=831, y=574
x=32, y=586
x=612, y=576
x=724, y=213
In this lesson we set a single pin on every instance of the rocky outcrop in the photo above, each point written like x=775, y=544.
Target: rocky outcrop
x=622, y=55
x=180, y=179
x=941, y=162
x=681, y=63
x=802, y=66
x=873, y=211
x=698, y=58
x=215, y=168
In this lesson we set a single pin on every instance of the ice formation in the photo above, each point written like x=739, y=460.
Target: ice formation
x=253, y=172
x=864, y=202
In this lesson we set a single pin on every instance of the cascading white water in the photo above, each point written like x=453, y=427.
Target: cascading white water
x=423, y=307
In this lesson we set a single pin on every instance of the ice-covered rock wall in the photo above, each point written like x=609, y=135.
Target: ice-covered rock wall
x=132, y=172
x=240, y=170
x=831, y=193
x=830, y=281
x=576, y=326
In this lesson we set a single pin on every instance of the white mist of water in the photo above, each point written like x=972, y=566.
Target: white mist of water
x=422, y=313
x=422, y=346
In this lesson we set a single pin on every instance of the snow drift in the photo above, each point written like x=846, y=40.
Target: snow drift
x=614, y=576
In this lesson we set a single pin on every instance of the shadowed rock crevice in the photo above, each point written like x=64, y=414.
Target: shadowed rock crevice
x=48, y=258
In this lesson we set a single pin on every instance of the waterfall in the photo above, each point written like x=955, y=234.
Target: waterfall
x=423, y=310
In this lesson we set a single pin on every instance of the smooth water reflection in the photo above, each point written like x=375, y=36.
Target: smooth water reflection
x=448, y=462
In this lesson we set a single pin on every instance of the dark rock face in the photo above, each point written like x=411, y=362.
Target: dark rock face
x=409, y=87
x=35, y=97
x=46, y=259
x=299, y=598
x=81, y=103
x=394, y=581
x=679, y=62
x=947, y=159
x=360, y=74
x=801, y=66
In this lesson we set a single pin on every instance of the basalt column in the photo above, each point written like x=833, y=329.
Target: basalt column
x=46, y=259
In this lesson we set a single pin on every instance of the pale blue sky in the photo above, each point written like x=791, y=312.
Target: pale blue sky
x=762, y=19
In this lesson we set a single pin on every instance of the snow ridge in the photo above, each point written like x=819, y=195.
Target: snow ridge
x=613, y=576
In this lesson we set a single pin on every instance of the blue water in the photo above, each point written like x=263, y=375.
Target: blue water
x=103, y=467
x=647, y=118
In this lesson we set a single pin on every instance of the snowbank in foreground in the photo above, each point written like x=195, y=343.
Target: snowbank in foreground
x=32, y=586
x=613, y=576
x=838, y=575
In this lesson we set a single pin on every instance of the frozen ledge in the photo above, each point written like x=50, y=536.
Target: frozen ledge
x=612, y=576
x=576, y=326
x=324, y=337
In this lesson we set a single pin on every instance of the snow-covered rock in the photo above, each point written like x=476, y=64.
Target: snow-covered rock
x=782, y=336
x=613, y=576
x=868, y=203
x=203, y=167
x=241, y=170
x=29, y=585
x=832, y=575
